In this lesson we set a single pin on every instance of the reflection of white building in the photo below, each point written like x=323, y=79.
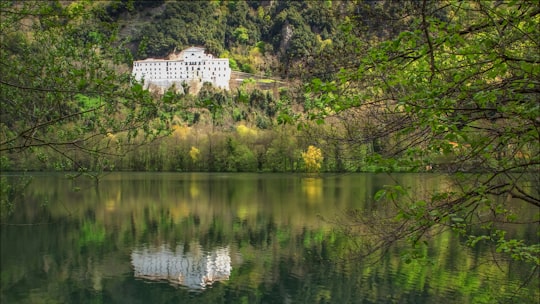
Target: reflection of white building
x=191, y=65
x=194, y=270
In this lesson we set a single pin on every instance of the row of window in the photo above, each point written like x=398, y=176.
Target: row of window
x=187, y=69
x=182, y=74
x=140, y=64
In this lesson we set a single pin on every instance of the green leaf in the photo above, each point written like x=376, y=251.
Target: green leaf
x=380, y=195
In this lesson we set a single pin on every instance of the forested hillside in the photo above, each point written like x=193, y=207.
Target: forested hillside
x=348, y=87
x=102, y=117
x=269, y=37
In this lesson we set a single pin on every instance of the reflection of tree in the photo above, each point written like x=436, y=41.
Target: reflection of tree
x=194, y=269
x=312, y=188
x=280, y=249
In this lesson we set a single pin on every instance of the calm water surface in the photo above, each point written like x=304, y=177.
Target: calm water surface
x=228, y=238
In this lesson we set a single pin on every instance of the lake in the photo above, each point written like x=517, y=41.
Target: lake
x=231, y=238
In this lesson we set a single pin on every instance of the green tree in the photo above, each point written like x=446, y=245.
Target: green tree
x=457, y=92
x=67, y=98
x=241, y=34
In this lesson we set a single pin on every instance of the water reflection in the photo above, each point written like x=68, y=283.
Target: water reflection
x=279, y=232
x=313, y=189
x=192, y=268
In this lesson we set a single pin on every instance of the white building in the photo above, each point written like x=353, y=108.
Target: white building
x=191, y=65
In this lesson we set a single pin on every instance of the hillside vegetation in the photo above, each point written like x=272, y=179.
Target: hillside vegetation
x=353, y=75
x=268, y=37
x=90, y=47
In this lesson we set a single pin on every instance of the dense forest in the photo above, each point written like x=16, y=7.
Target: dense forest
x=251, y=128
x=268, y=37
x=409, y=86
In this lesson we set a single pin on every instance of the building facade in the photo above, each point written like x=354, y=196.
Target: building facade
x=193, y=64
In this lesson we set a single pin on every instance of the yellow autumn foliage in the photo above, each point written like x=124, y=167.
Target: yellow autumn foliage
x=313, y=159
x=244, y=131
x=194, y=154
x=181, y=132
